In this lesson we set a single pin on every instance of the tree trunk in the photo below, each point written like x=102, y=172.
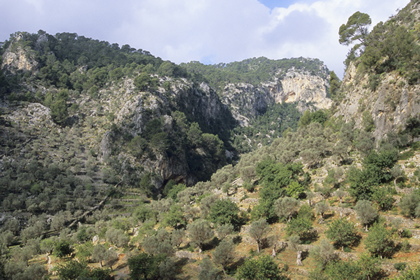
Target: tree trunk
x=299, y=258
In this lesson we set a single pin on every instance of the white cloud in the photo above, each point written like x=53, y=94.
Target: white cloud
x=212, y=31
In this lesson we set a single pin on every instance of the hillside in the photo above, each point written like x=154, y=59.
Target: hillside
x=383, y=83
x=116, y=164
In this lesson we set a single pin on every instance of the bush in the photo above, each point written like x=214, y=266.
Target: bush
x=400, y=266
x=225, y=211
x=62, y=248
x=261, y=268
x=145, y=266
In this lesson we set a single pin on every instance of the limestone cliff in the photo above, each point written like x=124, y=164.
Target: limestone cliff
x=389, y=106
x=134, y=111
x=381, y=87
x=246, y=101
x=18, y=56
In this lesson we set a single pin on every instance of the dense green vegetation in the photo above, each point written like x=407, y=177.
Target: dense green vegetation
x=266, y=127
x=253, y=70
x=391, y=46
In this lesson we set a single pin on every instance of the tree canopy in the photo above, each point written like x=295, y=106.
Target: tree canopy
x=356, y=28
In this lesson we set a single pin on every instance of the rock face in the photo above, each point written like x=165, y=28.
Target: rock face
x=247, y=101
x=389, y=106
x=377, y=97
x=134, y=110
x=19, y=58
x=303, y=87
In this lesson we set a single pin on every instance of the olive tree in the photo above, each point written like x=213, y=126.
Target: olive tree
x=258, y=231
x=200, y=232
x=366, y=212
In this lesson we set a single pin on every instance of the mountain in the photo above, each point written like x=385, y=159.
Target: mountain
x=86, y=115
x=115, y=163
x=249, y=87
x=381, y=86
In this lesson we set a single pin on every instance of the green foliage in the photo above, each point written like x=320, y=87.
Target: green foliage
x=410, y=274
x=400, y=266
x=368, y=122
x=263, y=268
x=412, y=127
x=175, y=217
x=158, y=243
x=208, y=271
x=323, y=253
x=383, y=197
x=276, y=119
x=63, y=248
x=342, y=233
x=364, y=268
x=253, y=70
x=224, y=253
x=285, y=208
x=356, y=28
x=200, y=232
x=319, y=116
x=295, y=189
x=376, y=171
x=302, y=227
x=145, y=82
x=172, y=190
x=58, y=105
x=117, y=237
x=170, y=69
x=76, y=270
x=144, y=266
x=409, y=204
x=277, y=176
x=322, y=207
x=334, y=90
x=392, y=47
x=277, y=180
x=306, y=212
x=379, y=241
x=366, y=213
x=225, y=211
x=144, y=212
x=258, y=231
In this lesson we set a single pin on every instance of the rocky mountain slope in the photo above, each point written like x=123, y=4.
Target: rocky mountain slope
x=121, y=102
x=381, y=86
x=102, y=147
x=251, y=86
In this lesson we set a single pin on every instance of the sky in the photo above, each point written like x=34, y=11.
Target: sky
x=209, y=31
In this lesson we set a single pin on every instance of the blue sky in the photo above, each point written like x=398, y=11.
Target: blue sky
x=281, y=3
x=210, y=31
x=276, y=3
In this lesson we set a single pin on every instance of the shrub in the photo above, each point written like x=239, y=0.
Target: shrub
x=400, y=266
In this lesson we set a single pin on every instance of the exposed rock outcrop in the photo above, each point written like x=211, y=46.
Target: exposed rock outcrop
x=247, y=101
x=389, y=106
x=18, y=57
